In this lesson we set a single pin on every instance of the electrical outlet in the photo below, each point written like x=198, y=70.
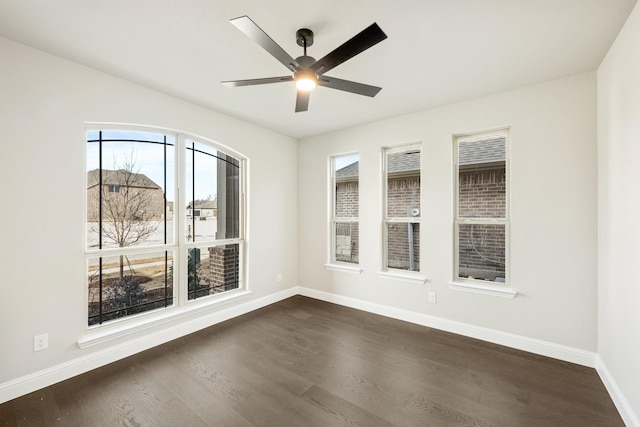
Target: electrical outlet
x=40, y=342
x=432, y=297
x=279, y=277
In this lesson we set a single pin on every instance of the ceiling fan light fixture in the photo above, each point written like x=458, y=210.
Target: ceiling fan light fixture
x=306, y=80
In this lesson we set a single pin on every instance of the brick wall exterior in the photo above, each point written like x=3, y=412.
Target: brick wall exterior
x=482, y=194
x=403, y=195
x=223, y=274
x=218, y=272
x=403, y=185
x=347, y=194
x=347, y=233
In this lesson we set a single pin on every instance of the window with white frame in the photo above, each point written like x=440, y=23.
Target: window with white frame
x=213, y=231
x=402, y=208
x=481, y=213
x=145, y=251
x=345, y=234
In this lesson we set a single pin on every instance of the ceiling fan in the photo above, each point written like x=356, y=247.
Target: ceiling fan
x=307, y=72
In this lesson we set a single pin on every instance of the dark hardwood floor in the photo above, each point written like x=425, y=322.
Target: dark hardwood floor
x=303, y=362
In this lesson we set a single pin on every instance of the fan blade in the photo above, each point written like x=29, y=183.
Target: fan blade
x=251, y=82
x=359, y=43
x=255, y=33
x=302, y=101
x=349, y=86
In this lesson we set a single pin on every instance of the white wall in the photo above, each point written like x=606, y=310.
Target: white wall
x=553, y=212
x=45, y=102
x=619, y=213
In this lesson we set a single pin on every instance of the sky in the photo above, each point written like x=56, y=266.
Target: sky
x=148, y=159
x=346, y=160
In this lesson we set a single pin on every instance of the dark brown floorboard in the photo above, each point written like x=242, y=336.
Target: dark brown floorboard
x=304, y=362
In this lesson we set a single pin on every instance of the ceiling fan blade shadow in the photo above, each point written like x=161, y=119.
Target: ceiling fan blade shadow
x=302, y=101
x=349, y=86
x=362, y=41
x=251, y=82
x=255, y=33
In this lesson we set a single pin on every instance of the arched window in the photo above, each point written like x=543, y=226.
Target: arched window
x=150, y=245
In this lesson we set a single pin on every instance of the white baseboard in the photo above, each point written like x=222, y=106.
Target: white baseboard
x=629, y=417
x=544, y=348
x=46, y=377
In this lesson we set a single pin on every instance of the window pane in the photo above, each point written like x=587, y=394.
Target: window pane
x=403, y=245
x=346, y=186
x=403, y=183
x=482, y=178
x=123, y=285
x=347, y=247
x=213, y=194
x=213, y=269
x=126, y=203
x=481, y=251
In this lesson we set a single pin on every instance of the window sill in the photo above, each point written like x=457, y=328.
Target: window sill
x=344, y=268
x=116, y=330
x=496, y=291
x=413, y=278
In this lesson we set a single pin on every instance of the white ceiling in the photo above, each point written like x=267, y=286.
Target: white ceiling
x=437, y=51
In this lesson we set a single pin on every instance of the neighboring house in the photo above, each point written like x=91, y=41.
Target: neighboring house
x=346, y=205
x=144, y=198
x=482, y=194
x=202, y=210
x=403, y=199
x=481, y=172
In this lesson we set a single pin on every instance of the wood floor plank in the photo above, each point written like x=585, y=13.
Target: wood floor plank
x=343, y=411
x=194, y=395
x=304, y=362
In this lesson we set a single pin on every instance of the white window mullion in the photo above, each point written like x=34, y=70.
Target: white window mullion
x=180, y=270
x=344, y=224
x=481, y=214
x=402, y=207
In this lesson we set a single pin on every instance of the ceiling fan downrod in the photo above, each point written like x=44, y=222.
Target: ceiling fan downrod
x=304, y=38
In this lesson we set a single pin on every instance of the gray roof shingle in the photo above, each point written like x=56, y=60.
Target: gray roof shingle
x=406, y=161
x=349, y=171
x=482, y=151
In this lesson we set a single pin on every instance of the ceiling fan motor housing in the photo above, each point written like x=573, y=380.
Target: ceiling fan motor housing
x=305, y=61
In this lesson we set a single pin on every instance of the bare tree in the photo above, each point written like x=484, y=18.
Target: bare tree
x=129, y=209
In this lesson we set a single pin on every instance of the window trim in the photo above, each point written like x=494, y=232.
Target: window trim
x=411, y=276
x=476, y=285
x=181, y=141
x=333, y=220
x=125, y=326
x=182, y=306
